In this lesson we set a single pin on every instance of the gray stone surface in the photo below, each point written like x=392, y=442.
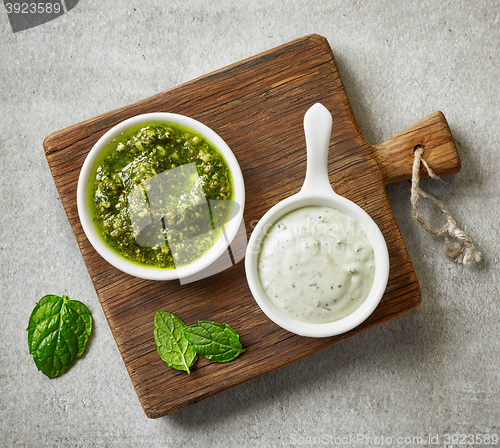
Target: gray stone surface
x=431, y=372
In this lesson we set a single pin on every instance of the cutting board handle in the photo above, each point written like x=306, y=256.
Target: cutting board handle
x=395, y=156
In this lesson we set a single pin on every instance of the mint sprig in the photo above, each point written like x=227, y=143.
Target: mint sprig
x=179, y=345
x=58, y=331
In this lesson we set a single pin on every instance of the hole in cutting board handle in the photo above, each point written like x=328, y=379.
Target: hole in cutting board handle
x=433, y=133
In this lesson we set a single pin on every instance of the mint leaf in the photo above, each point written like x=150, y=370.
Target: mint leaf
x=171, y=344
x=217, y=342
x=58, y=331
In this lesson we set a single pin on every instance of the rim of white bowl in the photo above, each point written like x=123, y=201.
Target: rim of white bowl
x=375, y=236
x=155, y=273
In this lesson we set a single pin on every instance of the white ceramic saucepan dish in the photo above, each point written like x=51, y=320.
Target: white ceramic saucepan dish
x=150, y=272
x=317, y=191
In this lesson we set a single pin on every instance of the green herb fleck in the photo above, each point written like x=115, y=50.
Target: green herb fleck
x=58, y=331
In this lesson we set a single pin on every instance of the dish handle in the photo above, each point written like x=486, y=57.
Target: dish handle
x=317, y=129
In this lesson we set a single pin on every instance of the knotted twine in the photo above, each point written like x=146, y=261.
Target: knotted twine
x=461, y=249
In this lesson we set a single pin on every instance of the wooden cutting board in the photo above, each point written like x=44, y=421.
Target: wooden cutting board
x=257, y=107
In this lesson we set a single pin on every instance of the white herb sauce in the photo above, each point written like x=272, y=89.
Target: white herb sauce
x=316, y=264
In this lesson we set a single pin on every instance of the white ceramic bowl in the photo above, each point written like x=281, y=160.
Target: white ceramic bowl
x=154, y=273
x=317, y=191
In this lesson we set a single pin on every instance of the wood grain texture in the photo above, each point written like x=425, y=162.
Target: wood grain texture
x=257, y=107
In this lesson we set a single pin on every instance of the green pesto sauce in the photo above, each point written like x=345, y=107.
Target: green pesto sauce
x=159, y=194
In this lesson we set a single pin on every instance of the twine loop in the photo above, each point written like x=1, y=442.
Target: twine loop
x=461, y=249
